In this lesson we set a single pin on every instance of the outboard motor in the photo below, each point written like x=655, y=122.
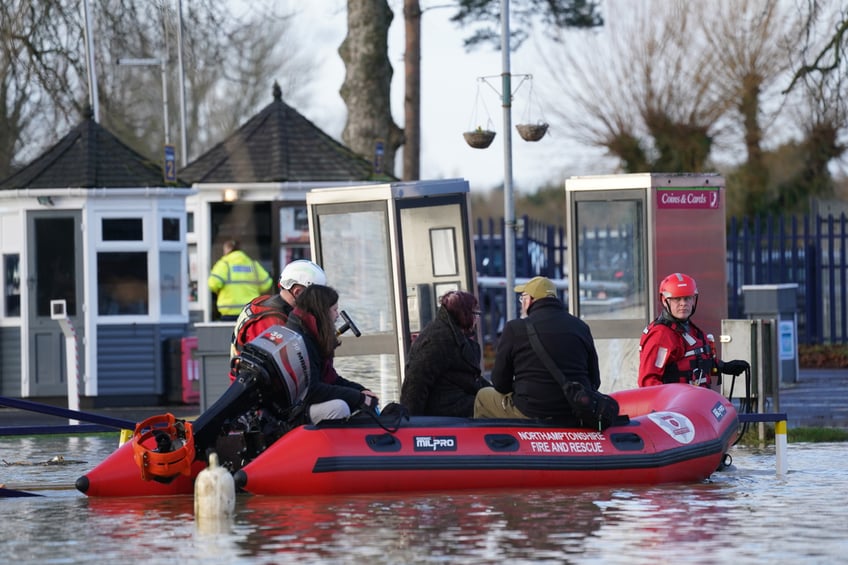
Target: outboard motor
x=272, y=381
x=256, y=409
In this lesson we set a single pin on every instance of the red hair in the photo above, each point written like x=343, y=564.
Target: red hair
x=462, y=306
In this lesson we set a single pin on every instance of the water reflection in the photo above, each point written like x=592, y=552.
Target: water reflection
x=441, y=526
x=745, y=515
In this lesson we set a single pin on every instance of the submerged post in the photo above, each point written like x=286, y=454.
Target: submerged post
x=780, y=446
x=779, y=419
x=59, y=312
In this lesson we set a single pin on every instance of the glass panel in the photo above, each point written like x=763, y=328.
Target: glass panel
x=443, y=251
x=609, y=251
x=444, y=288
x=12, y=284
x=361, y=265
x=170, y=229
x=122, y=284
x=294, y=234
x=192, y=273
x=55, y=266
x=123, y=229
x=170, y=282
x=378, y=373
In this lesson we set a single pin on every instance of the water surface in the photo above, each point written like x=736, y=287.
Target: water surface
x=743, y=515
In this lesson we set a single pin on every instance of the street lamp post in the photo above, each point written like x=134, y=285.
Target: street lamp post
x=509, y=205
x=89, y=62
x=180, y=64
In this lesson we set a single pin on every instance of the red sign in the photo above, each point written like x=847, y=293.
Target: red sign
x=688, y=198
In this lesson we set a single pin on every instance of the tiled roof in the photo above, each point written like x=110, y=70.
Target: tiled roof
x=89, y=156
x=278, y=145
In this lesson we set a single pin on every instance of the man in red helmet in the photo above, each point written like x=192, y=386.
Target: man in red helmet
x=673, y=349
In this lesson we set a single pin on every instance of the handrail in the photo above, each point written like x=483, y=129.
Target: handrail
x=779, y=418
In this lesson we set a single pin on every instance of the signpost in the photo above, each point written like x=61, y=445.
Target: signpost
x=170, y=168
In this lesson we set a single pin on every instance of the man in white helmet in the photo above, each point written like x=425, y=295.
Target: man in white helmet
x=270, y=310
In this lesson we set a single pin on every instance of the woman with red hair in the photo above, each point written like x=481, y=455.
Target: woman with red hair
x=443, y=372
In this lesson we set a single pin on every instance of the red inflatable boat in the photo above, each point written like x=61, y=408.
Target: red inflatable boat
x=676, y=433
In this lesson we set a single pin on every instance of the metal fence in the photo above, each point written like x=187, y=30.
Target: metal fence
x=809, y=251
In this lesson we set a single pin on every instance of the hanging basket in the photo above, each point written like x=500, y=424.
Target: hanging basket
x=479, y=139
x=532, y=132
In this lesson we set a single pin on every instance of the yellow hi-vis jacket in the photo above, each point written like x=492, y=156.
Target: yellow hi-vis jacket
x=237, y=279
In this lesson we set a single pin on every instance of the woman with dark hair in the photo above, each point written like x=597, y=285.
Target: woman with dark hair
x=443, y=371
x=330, y=395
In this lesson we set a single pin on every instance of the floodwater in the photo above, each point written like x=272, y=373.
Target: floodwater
x=743, y=515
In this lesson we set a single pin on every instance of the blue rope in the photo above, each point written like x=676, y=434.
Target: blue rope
x=108, y=421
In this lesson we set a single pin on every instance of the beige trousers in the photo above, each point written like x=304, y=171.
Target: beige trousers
x=489, y=403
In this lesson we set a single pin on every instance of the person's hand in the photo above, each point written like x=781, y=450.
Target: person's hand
x=370, y=401
x=735, y=367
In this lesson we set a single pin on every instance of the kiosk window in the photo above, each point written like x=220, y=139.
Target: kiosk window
x=12, y=276
x=610, y=280
x=170, y=229
x=122, y=287
x=170, y=281
x=122, y=229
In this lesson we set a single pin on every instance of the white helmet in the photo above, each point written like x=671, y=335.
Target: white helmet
x=302, y=272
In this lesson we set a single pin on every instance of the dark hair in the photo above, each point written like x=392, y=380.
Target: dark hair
x=317, y=300
x=461, y=306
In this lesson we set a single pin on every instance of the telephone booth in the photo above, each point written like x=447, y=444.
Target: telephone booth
x=391, y=250
x=628, y=232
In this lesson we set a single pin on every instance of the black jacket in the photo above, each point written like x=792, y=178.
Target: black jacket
x=442, y=373
x=569, y=343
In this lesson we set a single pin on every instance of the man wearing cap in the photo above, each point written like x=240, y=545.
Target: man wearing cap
x=523, y=387
x=273, y=310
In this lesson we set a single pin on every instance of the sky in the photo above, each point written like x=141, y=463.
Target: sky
x=453, y=100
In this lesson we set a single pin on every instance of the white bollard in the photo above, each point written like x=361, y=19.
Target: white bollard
x=214, y=492
x=59, y=312
x=780, y=447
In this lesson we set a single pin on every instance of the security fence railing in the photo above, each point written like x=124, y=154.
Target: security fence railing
x=807, y=250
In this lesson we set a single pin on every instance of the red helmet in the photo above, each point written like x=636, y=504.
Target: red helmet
x=678, y=284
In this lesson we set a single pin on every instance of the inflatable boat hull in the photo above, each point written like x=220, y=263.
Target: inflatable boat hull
x=676, y=434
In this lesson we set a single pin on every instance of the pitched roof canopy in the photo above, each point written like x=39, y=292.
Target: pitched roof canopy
x=278, y=145
x=89, y=156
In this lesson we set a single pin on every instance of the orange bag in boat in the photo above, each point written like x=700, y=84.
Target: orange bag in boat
x=173, y=453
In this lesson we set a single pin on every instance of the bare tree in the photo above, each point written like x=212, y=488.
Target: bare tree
x=232, y=61
x=40, y=52
x=412, y=95
x=482, y=18
x=664, y=90
x=370, y=129
x=639, y=88
x=751, y=42
x=824, y=52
